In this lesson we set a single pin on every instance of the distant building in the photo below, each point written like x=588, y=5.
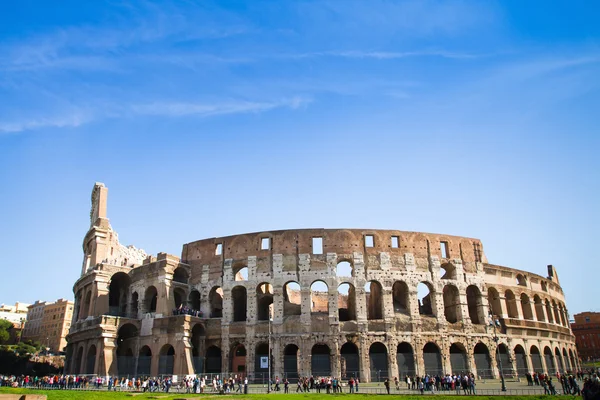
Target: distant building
x=49, y=323
x=15, y=314
x=587, y=334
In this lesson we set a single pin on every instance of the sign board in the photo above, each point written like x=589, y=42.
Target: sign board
x=264, y=362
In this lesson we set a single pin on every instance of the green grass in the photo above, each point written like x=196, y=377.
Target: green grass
x=104, y=395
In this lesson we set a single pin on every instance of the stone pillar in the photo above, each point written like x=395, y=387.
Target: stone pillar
x=335, y=359
x=418, y=355
x=305, y=306
x=163, y=301
x=364, y=362
x=463, y=308
x=277, y=305
x=106, y=358
x=392, y=361
x=494, y=363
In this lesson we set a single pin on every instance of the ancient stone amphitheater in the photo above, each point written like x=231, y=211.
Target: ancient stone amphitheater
x=343, y=302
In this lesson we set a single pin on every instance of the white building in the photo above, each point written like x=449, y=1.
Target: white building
x=15, y=314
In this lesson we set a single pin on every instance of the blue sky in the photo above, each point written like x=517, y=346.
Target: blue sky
x=474, y=118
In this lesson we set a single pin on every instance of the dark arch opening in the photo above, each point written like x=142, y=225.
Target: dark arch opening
x=451, y=303
x=349, y=360
x=425, y=297
x=213, y=360
x=458, y=359
x=475, y=305
x=405, y=359
x=378, y=356
x=320, y=360
x=144, y=362
x=290, y=362
x=346, y=302
x=521, y=360
x=126, y=337
x=432, y=359
x=238, y=359
x=261, y=361
x=511, y=304
x=550, y=365
x=180, y=275
x=291, y=299
x=536, y=359
x=91, y=360
x=494, y=301
x=374, y=300
x=166, y=361
x=240, y=303
x=194, y=300
x=179, y=297
x=264, y=301
x=526, y=307
x=483, y=362
x=197, y=342
x=150, y=299
x=215, y=299
x=400, y=297
x=118, y=291
x=503, y=359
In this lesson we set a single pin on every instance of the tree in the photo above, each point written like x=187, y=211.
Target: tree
x=5, y=327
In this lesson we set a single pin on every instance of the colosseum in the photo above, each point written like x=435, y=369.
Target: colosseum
x=342, y=302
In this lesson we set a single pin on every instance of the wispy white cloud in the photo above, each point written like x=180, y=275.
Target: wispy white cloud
x=383, y=55
x=67, y=120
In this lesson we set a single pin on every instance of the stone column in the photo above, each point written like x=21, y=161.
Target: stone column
x=305, y=306
x=335, y=359
x=464, y=309
x=163, y=301
x=392, y=361
x=106, y=358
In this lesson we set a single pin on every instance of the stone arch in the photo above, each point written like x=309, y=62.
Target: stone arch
x=346, y=302
x=290, y=361
x=378, y=357
x=494, y=302
x=86, y=305
x=572, y=360
x=448, y=271
x=212, y=362
x=502, y=358
x=536, y=359
x=264, y=301
x=556, y=313
x=475, y=305
x=292, y=299
x=319, y=297
x=483, y=362
x=194, y=300
x=320, y=360
x=526, y=307
x=432, y=359
x=240, y=273
x=126, y=337
x=458, y=359
x=511, y=304
x=539, y=308
x=567, y=362
x=78, y=367
x=134, y=305
x=400, y=297
x=118, y=290
x=521, y=360
x=550, y=365
x=90, y=361
x=239, y=303
x=166, y=360
x=374, y=300
x=451, y=303
x=180, y=275
x=237, y=361
x=405, y=359
x=151, y=299
x=179, y=297
x=562, y=314
x=349, y=360
x=425, y=298
x=559, y=362
x=344, y=269
x=549, y=313
x=215, y=300
x=521, y=280
x=197, y=341
x=261, y=369
x=144, y=362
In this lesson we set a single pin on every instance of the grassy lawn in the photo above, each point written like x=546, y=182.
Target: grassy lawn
x=90, y=395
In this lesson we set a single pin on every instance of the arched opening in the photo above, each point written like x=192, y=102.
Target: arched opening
x=447, y=271
x=483, y=362
x=521, y=280
x=213, y=360
x=536, y=359
x=180, y=275
x=549, y=312
x=134, y=305
x=241, y=274
x=405, y=359
x=511, y=304
x=550, y=365
x=432, y=359
x=521, y=360
x=344, y=269
x=261, y=362
x=556, y=313
x=475, y=305
x=572, y=360
x=424, y=296
x=144, y=362
x=562, y=315
x=290, y=362
x=194, y=300
x=494, y=302
x=292, y=297
x=86, y=305
x=126, y=337
x=150, y=299
x=118, y=290
x=568, y=366
x=179, y=297
x=77, y=367
x=539, y=308
x=378, y=356
x=215, y=299
x=503, y=359
x=239, y=303
x=349, y=361
x=166, y=360
x=346, y=302
x=559, y=362
x=90, y=360
x=238, y=359
x=264, y=301
x=197, y=342
x=526, y=306
x=451, y=303
x=400, y=296
x=374, y=300
x=320, y=360
x=458, y=359
x=319, y=299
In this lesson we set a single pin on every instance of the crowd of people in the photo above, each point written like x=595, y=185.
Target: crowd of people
x=182, y=310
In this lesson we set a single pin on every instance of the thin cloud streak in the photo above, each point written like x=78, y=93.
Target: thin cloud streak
x=382, y=55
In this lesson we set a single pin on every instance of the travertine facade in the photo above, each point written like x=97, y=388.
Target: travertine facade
x=343, y=302
x=49, y=323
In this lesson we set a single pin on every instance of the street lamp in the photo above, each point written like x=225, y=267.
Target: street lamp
x=494, y=323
